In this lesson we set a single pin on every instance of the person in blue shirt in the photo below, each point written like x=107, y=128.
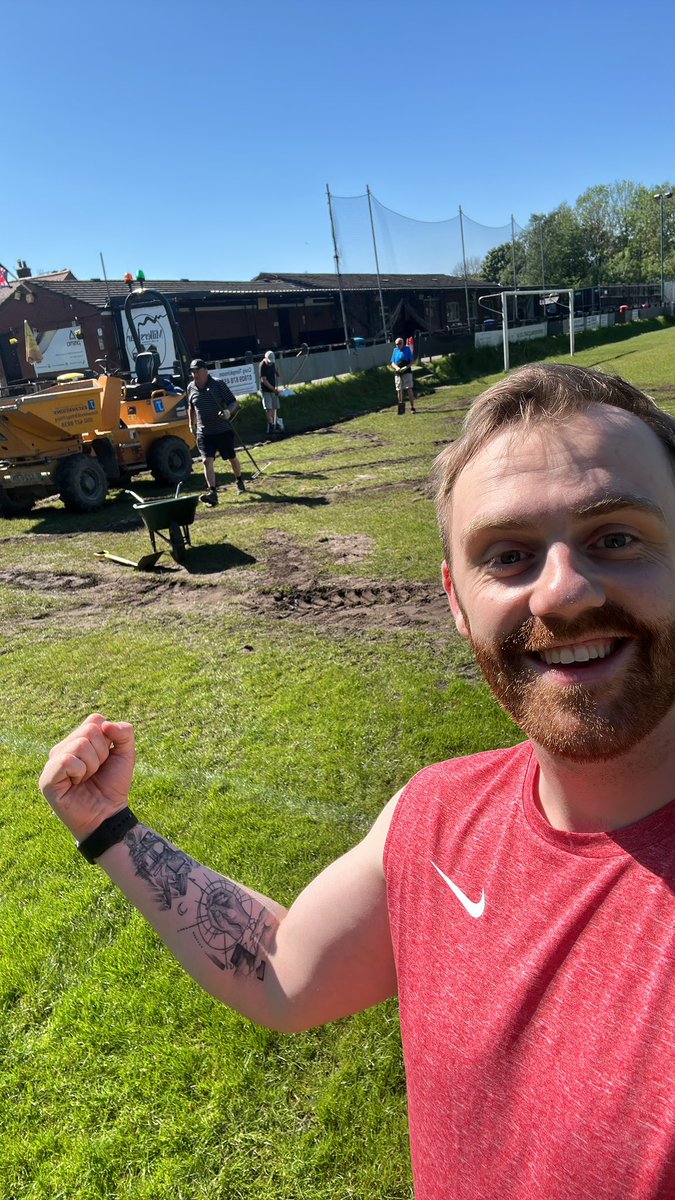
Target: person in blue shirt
x=401, y=361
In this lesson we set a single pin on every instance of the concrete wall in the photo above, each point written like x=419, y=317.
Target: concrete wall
x=327, y=363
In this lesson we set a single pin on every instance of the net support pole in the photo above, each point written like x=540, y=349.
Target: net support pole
x=377, y=265
x=107, y=285
x=513, y=265
x=571, y=299
x=466, y=277
x=505, y=329
x=339, y=277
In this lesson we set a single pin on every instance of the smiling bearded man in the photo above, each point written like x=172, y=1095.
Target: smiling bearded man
x=578, y=723
x=520, y=901
x=561, y=574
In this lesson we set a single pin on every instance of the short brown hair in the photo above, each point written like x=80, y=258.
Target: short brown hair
x=536, y=393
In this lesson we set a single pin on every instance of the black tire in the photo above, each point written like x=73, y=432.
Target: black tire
x=82, y=484
x=170, y=460
x=105, y=453
x=177, y=542
x=16, y=502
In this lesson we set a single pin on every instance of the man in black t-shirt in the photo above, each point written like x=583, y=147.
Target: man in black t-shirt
x=211, y=405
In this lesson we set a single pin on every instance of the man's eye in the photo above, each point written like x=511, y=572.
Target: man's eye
x=614, y=541
x=506, y=558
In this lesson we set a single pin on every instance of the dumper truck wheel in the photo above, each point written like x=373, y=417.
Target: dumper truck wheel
x=16, y=502
x=82, y=483
x=170, y=460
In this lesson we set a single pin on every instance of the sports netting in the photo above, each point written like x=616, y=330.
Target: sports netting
x=405, y=244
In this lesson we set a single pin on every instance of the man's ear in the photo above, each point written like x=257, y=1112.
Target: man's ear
x=450, y=592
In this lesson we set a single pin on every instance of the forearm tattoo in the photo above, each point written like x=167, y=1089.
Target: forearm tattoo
x=230, y=926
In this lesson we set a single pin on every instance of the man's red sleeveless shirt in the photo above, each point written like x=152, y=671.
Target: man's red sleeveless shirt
x=537, y=989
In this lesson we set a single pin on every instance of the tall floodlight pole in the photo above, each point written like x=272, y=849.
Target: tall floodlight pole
x=661, y=196
x=339, y=277
x=541, y=247
x=377, y=266
x=466, y=277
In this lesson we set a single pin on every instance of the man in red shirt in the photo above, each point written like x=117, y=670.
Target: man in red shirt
x=522, y=901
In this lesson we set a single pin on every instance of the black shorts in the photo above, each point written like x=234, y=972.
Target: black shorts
x=209, y=444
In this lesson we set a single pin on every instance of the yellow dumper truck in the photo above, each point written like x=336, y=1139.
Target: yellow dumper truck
x=83, y=436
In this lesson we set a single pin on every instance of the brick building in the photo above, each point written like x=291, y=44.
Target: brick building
x=81, y=320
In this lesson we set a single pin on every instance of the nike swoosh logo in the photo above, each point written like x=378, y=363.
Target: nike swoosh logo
x=475, y=908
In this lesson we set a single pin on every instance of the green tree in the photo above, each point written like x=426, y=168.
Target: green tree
x=554, y=250
x=498, y=263
x=596, y=215
x=612, y=235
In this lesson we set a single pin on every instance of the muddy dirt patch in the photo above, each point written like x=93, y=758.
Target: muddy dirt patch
x=289, y=584
x=48, y=581
x=346, y=548
x=358, y=604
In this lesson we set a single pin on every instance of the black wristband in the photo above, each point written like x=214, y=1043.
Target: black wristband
x=109, y=832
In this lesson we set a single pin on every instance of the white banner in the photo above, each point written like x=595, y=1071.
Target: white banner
x=152, y=325
x=523, y=333
x=62, y=351
x=242, y=381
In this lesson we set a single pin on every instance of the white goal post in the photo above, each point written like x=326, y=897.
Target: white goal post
x=503, y=296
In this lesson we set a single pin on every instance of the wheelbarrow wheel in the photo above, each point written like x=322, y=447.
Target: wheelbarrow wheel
x=177, y=542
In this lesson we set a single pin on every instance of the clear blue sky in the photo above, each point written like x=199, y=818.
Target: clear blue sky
x=196, y=138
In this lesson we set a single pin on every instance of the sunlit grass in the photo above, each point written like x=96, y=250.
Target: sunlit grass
x=265, y=749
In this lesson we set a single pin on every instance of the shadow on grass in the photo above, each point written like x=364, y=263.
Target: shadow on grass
x=215, y=557
x=111, y=519
x=116, y=516
x=298, y=475
x=284, y=498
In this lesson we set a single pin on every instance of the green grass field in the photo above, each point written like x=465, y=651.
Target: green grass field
x=284, y=683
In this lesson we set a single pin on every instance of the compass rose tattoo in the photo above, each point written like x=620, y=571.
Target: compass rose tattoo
x=230, y=926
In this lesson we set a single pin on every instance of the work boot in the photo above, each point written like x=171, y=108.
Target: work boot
x=210, y=497
x=401, y=409
x=240, y=484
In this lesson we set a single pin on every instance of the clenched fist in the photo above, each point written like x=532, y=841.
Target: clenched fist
x=88, y=775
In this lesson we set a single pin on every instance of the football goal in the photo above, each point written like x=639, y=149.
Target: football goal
x=553, y=293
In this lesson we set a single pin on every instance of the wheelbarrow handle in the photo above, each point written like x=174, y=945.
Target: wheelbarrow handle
x=140, y=499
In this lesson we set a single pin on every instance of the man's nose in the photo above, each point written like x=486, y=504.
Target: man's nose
x=566, y=585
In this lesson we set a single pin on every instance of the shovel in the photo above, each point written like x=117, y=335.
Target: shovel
x=145, y=563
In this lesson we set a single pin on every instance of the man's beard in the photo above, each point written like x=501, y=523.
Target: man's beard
x=578, y=722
